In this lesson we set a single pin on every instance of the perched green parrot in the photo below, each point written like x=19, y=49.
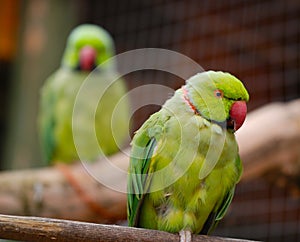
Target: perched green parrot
x=87, y=47
x=184, y=162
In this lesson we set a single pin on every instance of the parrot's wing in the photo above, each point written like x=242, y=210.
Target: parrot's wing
x=139, y=179
x=239, y=166
x=229, y=196
x=46, y=119
x=137, y=183
x=216, y=216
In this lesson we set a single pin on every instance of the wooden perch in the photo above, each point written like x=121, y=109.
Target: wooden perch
x=49, y=192
x=45, y=229
x=269, y=145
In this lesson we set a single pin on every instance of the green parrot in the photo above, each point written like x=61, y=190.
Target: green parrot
x=87, y=47
x=184, y=161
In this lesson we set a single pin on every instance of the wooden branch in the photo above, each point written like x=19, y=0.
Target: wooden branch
x=45, y=229
x=48, y=192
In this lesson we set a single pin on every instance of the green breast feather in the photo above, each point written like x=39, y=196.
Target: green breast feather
x=56, y=113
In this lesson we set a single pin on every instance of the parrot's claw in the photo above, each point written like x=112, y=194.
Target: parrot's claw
x=185, y=236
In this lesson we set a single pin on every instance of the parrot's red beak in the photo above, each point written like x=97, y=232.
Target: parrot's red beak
x=238, y=113
x=87, y=58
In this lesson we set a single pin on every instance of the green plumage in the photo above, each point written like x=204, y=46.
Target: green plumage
x=175, y=183
x=59, y=93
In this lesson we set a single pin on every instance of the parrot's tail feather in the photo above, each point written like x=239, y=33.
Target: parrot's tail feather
x=209, y=224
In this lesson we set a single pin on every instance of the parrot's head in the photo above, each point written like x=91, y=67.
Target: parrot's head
x=87, y=47
x=218, y=97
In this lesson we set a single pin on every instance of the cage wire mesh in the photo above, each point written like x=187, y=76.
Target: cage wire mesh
x=258, y=41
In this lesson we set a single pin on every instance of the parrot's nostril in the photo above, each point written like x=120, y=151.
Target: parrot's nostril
x=231, y=124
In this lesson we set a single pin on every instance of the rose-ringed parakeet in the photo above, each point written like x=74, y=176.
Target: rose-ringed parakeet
x=184, y=161
x=87, y=47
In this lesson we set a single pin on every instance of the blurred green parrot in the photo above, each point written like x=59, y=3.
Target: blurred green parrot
x=87, y=47
x=184, y=162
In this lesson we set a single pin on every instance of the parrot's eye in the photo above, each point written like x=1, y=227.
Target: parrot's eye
x=218, y=94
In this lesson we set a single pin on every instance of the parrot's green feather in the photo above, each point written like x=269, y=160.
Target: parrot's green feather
x=215, y=216
x=139, y=177
x=47, y=123
x=225, y=204
x=239, y=166
x=58, y=98
x=220, y=213
x=138, y=181
x=174, y=181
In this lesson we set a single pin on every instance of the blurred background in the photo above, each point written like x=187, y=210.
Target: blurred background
x=258, y=41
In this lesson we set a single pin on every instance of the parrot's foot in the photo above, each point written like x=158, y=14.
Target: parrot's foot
x=185, y=236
